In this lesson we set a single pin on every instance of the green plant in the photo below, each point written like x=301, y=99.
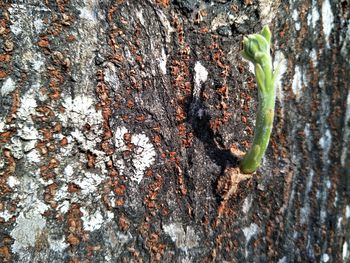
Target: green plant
x=256, y=49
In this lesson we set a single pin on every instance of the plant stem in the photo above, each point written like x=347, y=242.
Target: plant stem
x=257, y=50
x=263, y=127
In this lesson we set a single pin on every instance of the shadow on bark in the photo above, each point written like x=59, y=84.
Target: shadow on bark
x=211, y=140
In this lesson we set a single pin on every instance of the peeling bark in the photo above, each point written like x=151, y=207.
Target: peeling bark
x=122, y=123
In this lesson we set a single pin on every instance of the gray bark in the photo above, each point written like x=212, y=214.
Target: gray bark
x=122, y=124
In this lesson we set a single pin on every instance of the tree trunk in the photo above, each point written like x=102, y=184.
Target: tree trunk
x=122, y=124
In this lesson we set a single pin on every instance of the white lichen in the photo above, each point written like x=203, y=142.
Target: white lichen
x=32, y=154
x=6, y=215
x=325, y=142
x=313, y=56
x=201, y=75
x=280, y=65
x=139, y=15
x=162, y=62
x=88, y=182
x=268, y=10
x=16, y=147
x=187, y=259
x=28, y=132
x=327, y=20
x=79, y=111
x=168, y=29
x=27, y=108
x=24, y=27
x=313, y=16
x=344, y=50
x=20, y=14
x=63, y=207
x=297, y=83
x=8, y=86
x=12, y=181
x=305, y=210
x=87, y=12
x=142, y=156
x=325, y=258
x=2, y=125
x=346, y=133
x=295, y=16
x=80, y=119
x=58, y=244
x=91, y=221
x=249, y=232
x=345, y=252
x=339, y=222
x=247, y=204
x=222, y=19
x=38, y=25
x=29, y=226
x=110, y=76
x=184, y=240
x=323, y=215
x=95, y=220
x=26, y=138
x=308, y=133
x=119, y=142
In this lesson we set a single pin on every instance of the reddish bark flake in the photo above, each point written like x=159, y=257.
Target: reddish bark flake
x=119, y=189
x=5, y=58
x=5, y=253
x=140, y=118
x=130, y=104
x=3, y=74
x=5, y=136
x=73, y=240
x=127, y=137
x=156, y=139
x=71, y=38
x=72, y=188
x=119, y=202
x=123, y=223
x=64, y=141
x=163, y=3
x=43, y=42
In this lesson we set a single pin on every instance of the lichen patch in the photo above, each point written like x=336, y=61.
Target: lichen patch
x=297, y=83
x=92, y=221
x=8, y=86
x=28, y=228
x=280, y=66
x=346, y=133
x=201, y=75
x=327, y=20
x=163, y=62
x=268, y=10
x=183, y=239
x=314, y=15
x=80, y=113
x=142, y=156
x=249, y=232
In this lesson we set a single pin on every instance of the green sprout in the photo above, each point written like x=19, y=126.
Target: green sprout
x=256, y=49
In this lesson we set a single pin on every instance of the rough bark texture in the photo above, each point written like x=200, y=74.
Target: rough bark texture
x=121, y=123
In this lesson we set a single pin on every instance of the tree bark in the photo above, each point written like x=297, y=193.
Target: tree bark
x=122, y=123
